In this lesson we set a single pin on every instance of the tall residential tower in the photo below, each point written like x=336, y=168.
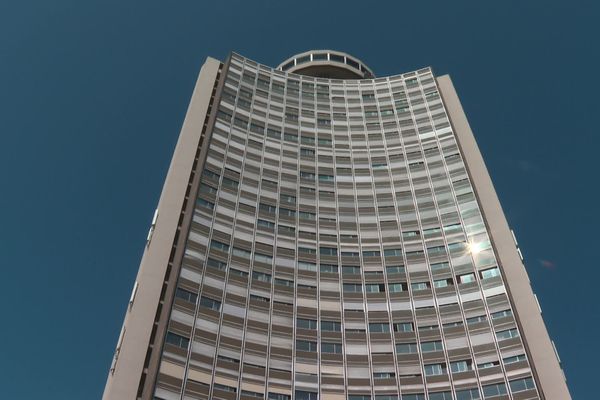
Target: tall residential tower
x=325, y=234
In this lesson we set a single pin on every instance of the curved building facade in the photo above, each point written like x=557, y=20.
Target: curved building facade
x=325, y=234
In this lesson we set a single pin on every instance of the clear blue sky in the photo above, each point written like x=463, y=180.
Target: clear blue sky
x=93, y=94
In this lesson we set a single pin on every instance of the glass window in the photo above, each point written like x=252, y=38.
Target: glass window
x=519, y=385
x=334, y=348
x=286, y=198
x=214, y=244
x=501, y=314
x=306, y=323
x=454, y=228
x=303, y=59
x=263, y=258
x=434, y=369
x=229, y=183
x=177, y=340
x=329, y=268
x=204, y=203
x=431, y=232
x=374, y=287
x=468, y=394
x=392, y=252
x=437, y=250
x=496, y=389
x=507, y=334
x=514, y=359
x=352, y=288
x=490, y=273
x=286, y=212
x=307, y=175
x=440, y=396
x=265, y=224
x=272, y=133
x=475, y=320
x=457, y=247
x=384, y=375
x=307, y=266
x=406, y=348
x=408, y=235
x=279, y=396
x=306, y=152
x=215, y=264
x=452, y=324
x=440, y=283
x=261, y=276
x=488, y=365
x=305, y=345
x=284, y=282
x=350, y=270
x=241, y=253
x=419, y=285
x=460, y=366
x=267, y=208
x=288, y=136
x=395, y=269
x=431, y=346
x=396, y=287
x=225, y=388
x=302, y=395
x=331, y=326
x=440, y=266
x=307, y=215
x=413, y=396
x=209, y=174
x=379, y=327
x=210, y=303
x=467, y=278
x=328, y=251
x=307, y=140
x=403, y=327
x=307, y=250
x=371, y=253
x=238, y=272
x=386, y=397
x=204, y=188
x=326, y=178
x=186, y=295
x=257, y=395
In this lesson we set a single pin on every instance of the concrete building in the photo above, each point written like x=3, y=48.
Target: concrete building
x=325, y=234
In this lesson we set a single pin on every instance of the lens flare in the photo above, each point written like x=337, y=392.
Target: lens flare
x=475, y=248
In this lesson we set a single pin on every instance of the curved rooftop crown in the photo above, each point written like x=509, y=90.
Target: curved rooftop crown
x=327, y=64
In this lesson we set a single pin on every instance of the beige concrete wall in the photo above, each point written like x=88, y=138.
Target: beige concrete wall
x=126, y=370
x=540, y=350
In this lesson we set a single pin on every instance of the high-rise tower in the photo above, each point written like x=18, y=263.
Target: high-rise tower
x=325, y=234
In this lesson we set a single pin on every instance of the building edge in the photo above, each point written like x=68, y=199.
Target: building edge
x=543, y=359
x=141, y=319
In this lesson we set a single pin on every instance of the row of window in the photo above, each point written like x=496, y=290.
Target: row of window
x=323, y=251
x=375, y=327
x=275, y=81
x=382, y=327
x=489, y=391
x=346, y=107
x=456, y=367
x=401, y=348
x=404, y=201
x=331, y=347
